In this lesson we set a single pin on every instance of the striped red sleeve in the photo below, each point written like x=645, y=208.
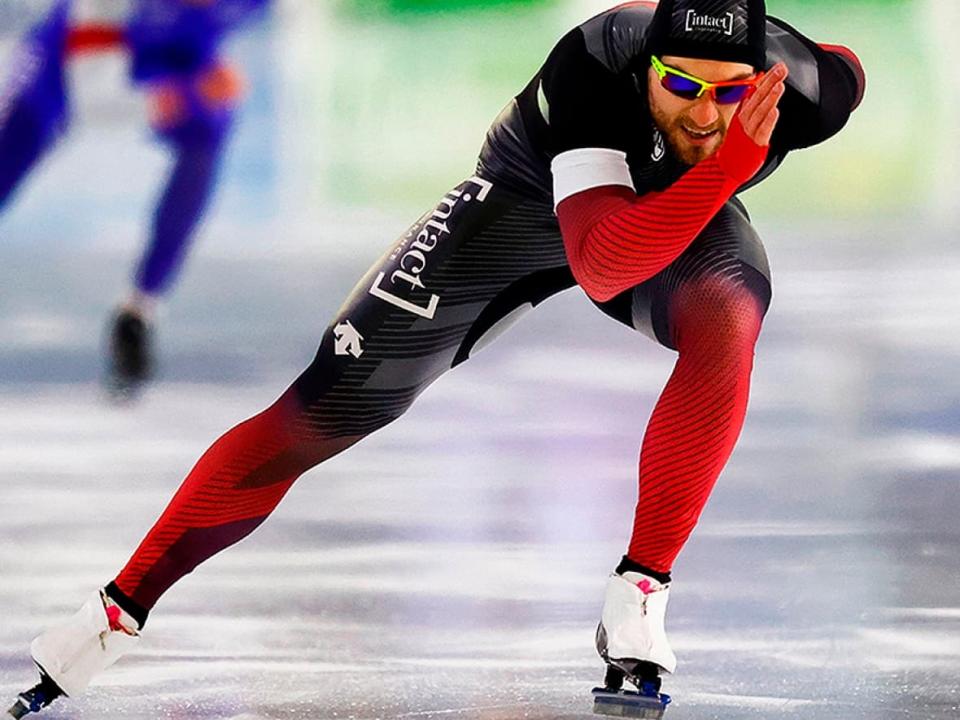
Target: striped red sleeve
x=94, y=38
x=616, y=239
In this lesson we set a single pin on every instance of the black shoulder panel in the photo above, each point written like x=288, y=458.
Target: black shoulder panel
x=616, y=37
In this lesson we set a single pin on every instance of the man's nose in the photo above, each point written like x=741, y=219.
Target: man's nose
x=704, y=111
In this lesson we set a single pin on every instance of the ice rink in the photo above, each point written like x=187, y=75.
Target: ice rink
x=453, y=564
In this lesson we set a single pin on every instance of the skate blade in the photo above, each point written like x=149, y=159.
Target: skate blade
x=18, y=710
x=36, y=698
x=626, y=703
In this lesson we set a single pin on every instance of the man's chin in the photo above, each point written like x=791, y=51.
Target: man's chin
x=693, y=154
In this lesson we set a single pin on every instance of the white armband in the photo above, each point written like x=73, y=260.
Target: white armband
x=577, y=170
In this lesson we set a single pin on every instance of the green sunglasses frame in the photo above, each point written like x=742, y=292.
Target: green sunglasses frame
x=663, y=70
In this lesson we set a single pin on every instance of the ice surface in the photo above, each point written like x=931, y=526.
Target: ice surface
x=453, y=564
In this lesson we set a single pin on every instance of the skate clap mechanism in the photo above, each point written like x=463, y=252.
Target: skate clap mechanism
x=70, y=655
x=632, y=641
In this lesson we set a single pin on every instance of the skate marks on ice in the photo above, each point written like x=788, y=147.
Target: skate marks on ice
x=456, y=631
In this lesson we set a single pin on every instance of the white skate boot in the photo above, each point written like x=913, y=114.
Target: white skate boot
x=632, y=641
x=70, y=655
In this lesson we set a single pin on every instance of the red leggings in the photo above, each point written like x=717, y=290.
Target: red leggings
x=714, y=321
x=391, y=339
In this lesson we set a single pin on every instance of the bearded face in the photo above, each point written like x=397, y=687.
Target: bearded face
x=694, y=129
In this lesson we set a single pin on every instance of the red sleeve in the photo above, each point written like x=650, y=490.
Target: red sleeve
x=94, y=38
x=616, y=240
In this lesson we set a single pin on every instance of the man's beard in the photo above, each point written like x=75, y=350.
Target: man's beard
x=679, y=141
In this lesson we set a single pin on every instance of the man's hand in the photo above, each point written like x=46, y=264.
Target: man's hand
x=759, y=113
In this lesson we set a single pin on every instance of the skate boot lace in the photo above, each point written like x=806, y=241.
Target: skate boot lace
x=647, y=588
x=114, y=622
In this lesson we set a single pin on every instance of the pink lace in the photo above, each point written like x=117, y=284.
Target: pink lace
x=646, y=587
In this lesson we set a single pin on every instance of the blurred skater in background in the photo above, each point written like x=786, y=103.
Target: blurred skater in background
x=174, y=47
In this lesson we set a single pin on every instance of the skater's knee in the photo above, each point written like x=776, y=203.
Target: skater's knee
x=347, y=416
x=197, y=111
x=278, y=444
x=718, y=311
x=337, y=408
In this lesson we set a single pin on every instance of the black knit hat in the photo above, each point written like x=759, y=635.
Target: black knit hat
x=729, y=30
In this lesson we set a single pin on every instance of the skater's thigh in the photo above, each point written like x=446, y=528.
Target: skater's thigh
x=458, y=276
x=728, y=246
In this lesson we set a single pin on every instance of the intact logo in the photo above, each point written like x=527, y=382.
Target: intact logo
x=709, y=23
x=410, y=258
